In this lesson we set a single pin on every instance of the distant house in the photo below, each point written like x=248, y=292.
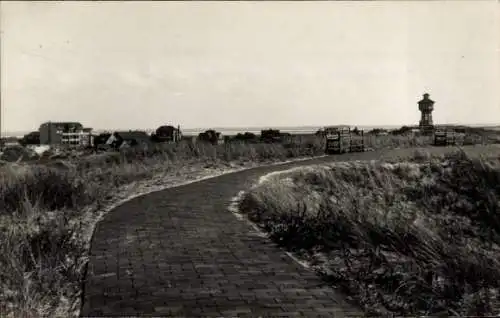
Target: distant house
x=167, y=133
x=71, y=134
x=100, y=140
x=128, y=138
x=32, y=138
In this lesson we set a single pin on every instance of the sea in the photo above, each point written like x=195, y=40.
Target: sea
x=298, y=130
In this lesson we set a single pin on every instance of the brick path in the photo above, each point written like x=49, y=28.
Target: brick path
x=179, y=252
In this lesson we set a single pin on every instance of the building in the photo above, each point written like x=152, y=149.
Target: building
x=168, y=133
x=32, y=138
x=71, y=134
x=80, y=138
x=426, y=106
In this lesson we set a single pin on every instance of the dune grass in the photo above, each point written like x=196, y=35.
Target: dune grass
x=396, y=141
x=47, y=211
x=49, y=207
x=415, y=237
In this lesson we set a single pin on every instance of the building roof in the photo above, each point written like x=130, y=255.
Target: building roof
x=426, y=100
x=62, y=123
x=167, y=130
x=167, y=127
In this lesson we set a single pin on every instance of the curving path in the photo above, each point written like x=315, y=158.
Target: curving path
x=179, y=252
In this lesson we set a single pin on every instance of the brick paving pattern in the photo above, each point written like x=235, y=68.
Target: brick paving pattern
x=181, y=253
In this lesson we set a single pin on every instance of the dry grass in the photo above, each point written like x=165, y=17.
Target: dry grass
x=395, y=141
x=420, y=237
x=47, y=210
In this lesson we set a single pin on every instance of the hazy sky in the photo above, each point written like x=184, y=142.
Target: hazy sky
x=229, y=64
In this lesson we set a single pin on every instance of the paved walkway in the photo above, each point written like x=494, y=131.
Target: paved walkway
x=180, y=252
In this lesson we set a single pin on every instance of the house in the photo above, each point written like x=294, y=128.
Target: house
x=100, y=140
x=128, y=138
x=71, y=134
x=80, y=138
x=167, y=133
x=32, y=138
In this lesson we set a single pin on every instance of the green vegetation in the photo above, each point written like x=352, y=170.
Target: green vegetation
x=418, y=236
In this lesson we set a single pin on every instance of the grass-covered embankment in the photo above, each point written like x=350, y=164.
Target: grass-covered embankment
x=414, y=237
x=48, y=211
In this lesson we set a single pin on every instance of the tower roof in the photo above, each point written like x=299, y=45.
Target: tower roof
x=426, y=100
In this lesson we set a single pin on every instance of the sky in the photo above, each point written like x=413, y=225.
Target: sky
x=116, y=65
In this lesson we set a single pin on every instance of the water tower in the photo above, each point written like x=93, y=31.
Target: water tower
x=426, y=106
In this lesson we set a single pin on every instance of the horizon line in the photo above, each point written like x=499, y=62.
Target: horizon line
x=254, y=128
